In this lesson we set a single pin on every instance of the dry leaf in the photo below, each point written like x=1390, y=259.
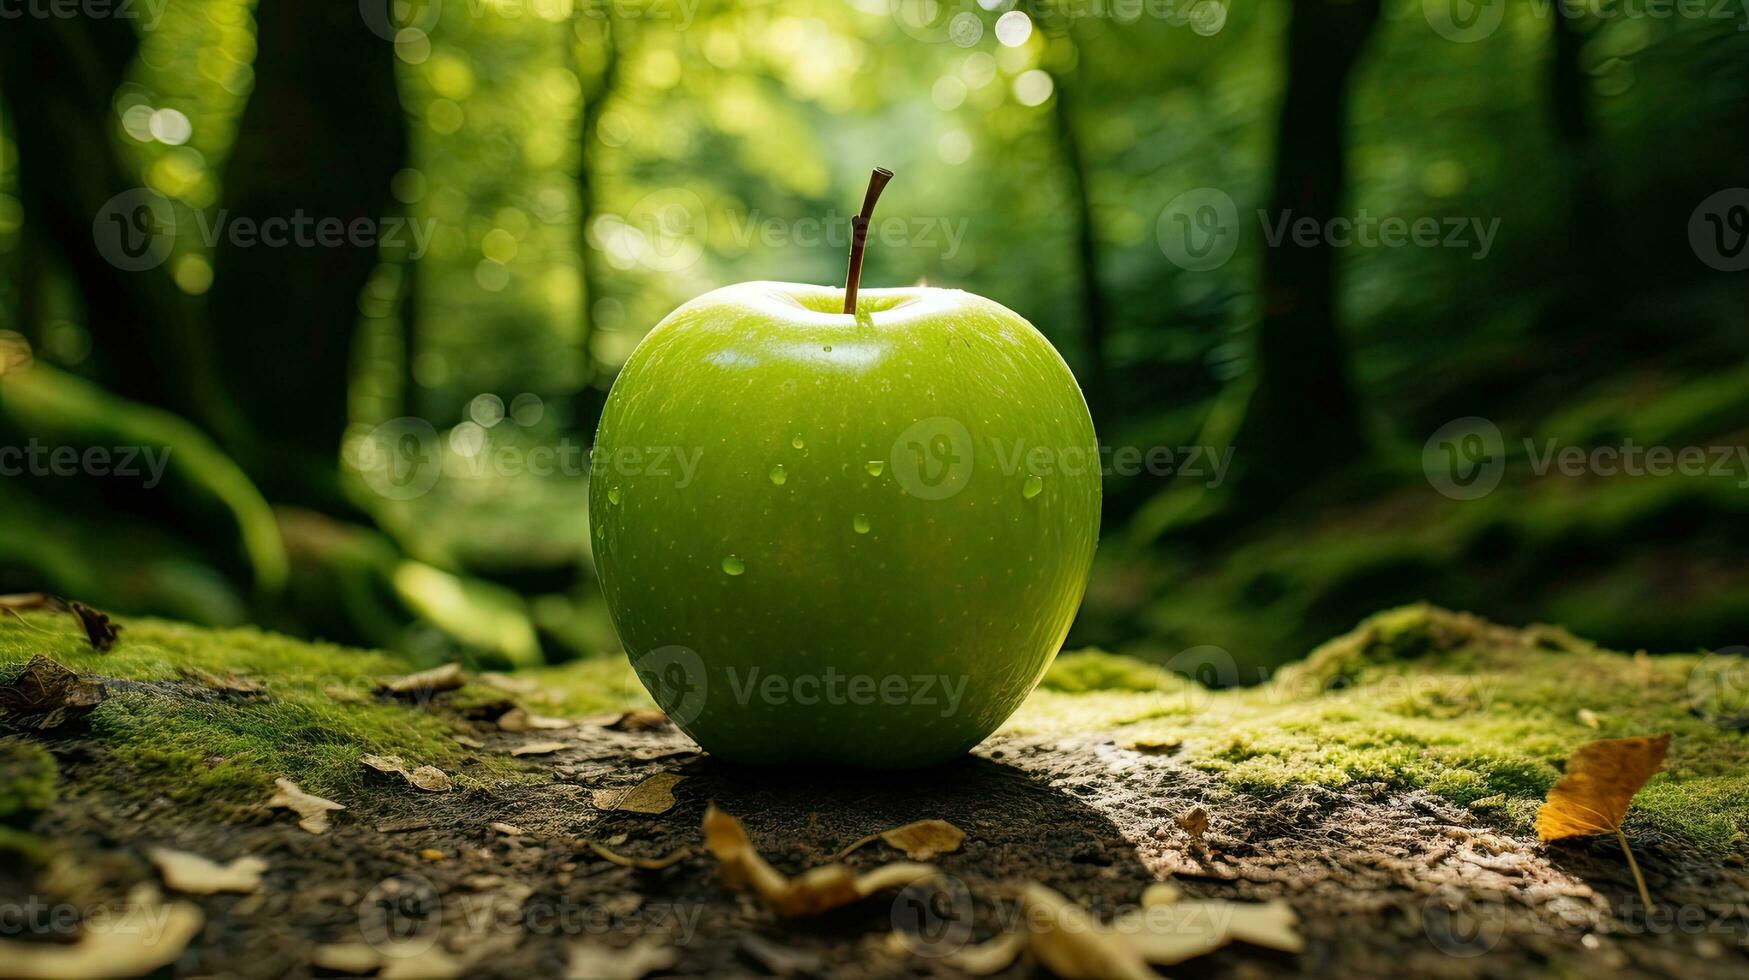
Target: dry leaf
x=510, y=683
x=468, y=741
x=994, y=956
x=428, y=778
x=445, y=678
x=640, y=720
x=810, y=893
x=1589, y=718
x=1169, y=933
x=1073, y=945
x=119, y=951
x=596, y=961
x=312, y=811
x=47, y=696
x=1194, y=822
x=537, y=748
x=507, y=829
x=631, y=861
x=346, y=957
x=920, y=841
x=430, y=963
x=1593, y=795
x=192, y=874
x=654, y=795
x=99, y=631
x=1600, y=781
x=520, y=720
x=780, y=961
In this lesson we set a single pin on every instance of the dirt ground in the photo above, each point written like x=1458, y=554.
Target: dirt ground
x=503, y=882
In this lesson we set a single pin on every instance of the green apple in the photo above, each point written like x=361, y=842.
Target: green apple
x=844, y=538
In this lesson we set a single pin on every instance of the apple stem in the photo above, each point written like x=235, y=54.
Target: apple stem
x=877, y=181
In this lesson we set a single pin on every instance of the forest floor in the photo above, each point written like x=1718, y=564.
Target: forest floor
x=1383, y=787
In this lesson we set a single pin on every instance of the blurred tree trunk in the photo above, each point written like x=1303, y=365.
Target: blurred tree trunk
x=318, y=144
x=1587, y=207
x=1092, y=296
x=58, y=76
x=1302, y=421
x=598, y=80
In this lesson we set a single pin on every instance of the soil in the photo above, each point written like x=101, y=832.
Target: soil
x=1387, y=883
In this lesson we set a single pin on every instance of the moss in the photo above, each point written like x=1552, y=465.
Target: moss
x=315, y=719
x=28, y=777
x=1424, y=698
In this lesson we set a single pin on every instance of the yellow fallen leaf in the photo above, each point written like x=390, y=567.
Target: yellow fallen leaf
x=110, y=952
x=983, y=959
x=428, y=778
x=588, y=960
x=632, y=861
x=537, y=748
x=312, y=811
x=1593, y=795
x=1194, y=822
x=655, y=794
x=920, y=841
x=810, y=893
x=1169, y=933
x=445, y=678
x=192, y=874
x=521, y=720
x=1074, y=945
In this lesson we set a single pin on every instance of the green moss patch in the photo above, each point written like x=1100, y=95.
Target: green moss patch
x=1423, y=698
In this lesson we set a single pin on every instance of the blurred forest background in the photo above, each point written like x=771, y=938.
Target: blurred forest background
x=551, y=177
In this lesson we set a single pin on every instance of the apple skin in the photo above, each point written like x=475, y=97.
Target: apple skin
x=931, y=526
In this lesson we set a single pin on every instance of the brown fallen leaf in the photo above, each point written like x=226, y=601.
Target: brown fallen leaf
x=810, y=893
x=192, y=874
x=47, y=696
x=114, y=951
x=1194, y=822
x=312, y=811
x=428, y=778
x=426, y=682
x=1593, y=796
x=99, y=631
x=920, y=841
x=639, y=720
x=654, y=795
x=520, y=720
x=632, y=861
x=590, y=960
x=538, y=748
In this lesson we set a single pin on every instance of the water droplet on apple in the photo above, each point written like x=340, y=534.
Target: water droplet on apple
x=1035, y=485
x=875, y=466
x=733, y=565
x=827, y=348
x=613, y=495
x=778, y=475
x=860, y=523
x=797, y=442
